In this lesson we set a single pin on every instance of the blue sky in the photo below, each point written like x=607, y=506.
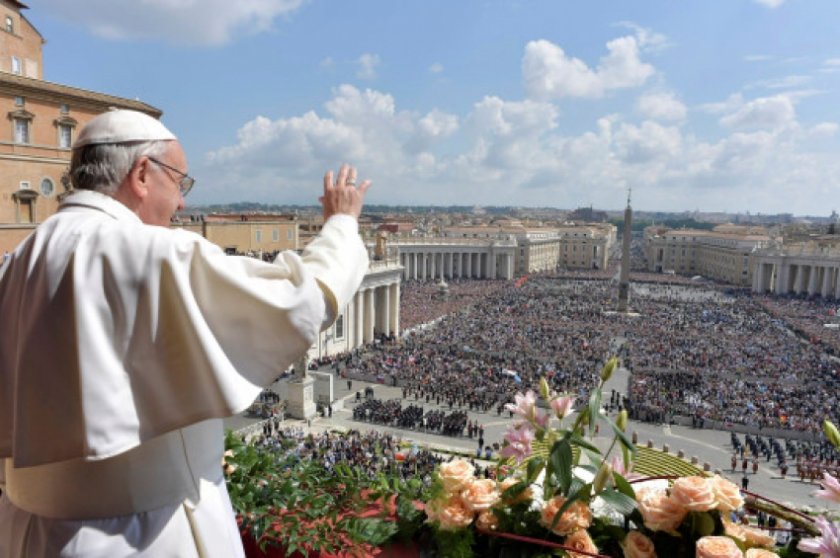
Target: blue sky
x=698, y=104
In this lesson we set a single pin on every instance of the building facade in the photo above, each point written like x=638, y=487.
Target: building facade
x=41, y=120
x=723, y=254
x=811, y=268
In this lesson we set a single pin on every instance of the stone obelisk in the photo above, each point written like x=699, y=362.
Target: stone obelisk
x=624, y=280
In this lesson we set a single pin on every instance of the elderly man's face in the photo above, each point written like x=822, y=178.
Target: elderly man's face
x=164, y=197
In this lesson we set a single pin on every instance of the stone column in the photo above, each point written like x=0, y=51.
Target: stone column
x=492, y=270
x=812, y=280
x=370, y=314
x=758, y=278
x=358, y=319
x=386, y=309
x=469, y=265
x=835, y=276
x=460, y=264
x=394, y=324
x=781, y=278
x=799, y=279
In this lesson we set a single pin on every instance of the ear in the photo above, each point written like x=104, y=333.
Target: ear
x=137, y=179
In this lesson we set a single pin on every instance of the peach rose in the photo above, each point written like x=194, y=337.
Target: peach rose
x=636, y=545
x=760, y=553
x=727, y=494
x=749, y=535
x=454, y=514
x=756, y=537
x=524, y=496
x=733, y=530
x=576, y=517
x=694, y=493
x=480, y=494
x=580, y=540
x=717, y=547
x=456, y=475
x=487, y=521
x=659, y=512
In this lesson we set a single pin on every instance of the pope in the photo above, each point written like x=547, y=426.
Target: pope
x=125, y=342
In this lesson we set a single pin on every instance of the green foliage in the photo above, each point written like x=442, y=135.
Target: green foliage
x=299, y=505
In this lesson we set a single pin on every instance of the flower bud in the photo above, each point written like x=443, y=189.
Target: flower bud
x=602, y=477
x=545, y=391
x=621, y=420
x=831, y=433
x=609, y=368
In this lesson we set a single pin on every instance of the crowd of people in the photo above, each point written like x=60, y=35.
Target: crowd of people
x=693, y=350
x=413, y=417
x=373, y=452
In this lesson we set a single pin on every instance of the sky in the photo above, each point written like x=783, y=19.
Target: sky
x=709, y=105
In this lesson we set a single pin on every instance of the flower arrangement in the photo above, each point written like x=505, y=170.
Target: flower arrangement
x=557, y=494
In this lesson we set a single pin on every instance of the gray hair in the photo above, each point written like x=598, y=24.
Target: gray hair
x=103, y=167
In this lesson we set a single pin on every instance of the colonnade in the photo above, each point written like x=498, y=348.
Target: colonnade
x=460, y=262
x=782, y=275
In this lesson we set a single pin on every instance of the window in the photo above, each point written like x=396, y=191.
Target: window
x=10, y=24
x=339, y=327
x=275, y=235
x=64, y=108
x=21, y=130
x=65, y=136
x=258, y=236
x=19, y=101
x=16, y=66
x=47, y=187
x=24, y=185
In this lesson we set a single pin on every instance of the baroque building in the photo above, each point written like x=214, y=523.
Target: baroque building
x=724, y=253
x=41, y=120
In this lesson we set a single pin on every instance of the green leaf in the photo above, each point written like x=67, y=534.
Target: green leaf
x=622, y=437
x=561, y=464
x=623, y=486
x=581, y=442
x=594, y=409
x=618, y=501
x=535, y=465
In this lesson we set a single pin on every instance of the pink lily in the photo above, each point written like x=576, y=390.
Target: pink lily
x=518, y=443
x=563, y=406
x=525, y=406
x=828, y=545
x=831, y=489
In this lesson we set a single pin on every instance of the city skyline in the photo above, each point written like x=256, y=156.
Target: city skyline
x=712, y=106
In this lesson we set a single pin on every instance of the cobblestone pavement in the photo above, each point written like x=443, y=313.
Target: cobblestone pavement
x=710, y=446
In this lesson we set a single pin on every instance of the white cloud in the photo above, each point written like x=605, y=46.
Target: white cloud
x=208, y=22
x=517, y=153
x=649, y=40
x=785, y=82
x=661, y=106
x=550, y=74
x=763, y=113
x=436, y=68
x=770, y=3
x=730, y=104
x=757, y=58
x=367, y=65
x=327, y=63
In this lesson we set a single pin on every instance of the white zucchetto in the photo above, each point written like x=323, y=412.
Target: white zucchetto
x=122, y=126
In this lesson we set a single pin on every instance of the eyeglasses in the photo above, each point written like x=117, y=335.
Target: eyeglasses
x=186, y=182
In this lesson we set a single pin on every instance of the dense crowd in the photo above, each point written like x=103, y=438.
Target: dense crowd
x=695, y=351
x=392, y=413
x=372, y=452
x=727, y=359
x=422, y=302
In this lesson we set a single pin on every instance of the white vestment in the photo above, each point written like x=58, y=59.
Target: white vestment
x=122, y=347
